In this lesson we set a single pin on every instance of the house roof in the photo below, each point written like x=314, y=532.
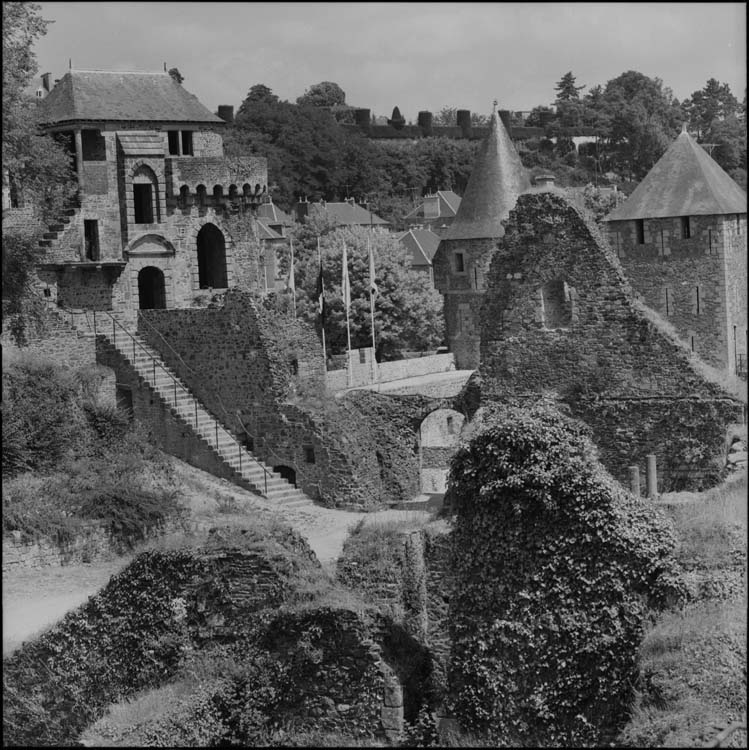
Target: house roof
x=497, y=179
x=265, y=232
x=422, y=244
x=119, y=96
x=448, y=205
x=272, y=214
x=348, y=214
x=685, y=181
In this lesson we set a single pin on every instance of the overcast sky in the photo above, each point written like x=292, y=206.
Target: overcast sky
x=418, y=56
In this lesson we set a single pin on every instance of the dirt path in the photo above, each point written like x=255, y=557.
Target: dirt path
x=34, y=599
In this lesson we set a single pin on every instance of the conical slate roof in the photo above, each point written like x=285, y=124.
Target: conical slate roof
x=497, y=179
x=685, y=181
x=117, y=96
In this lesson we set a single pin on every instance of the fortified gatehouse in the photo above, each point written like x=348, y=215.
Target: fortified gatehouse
x=161, y=213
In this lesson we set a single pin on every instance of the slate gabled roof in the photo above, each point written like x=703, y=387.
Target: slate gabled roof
x=685, y=181
x=497, y=179
x=272, y=214
x=266, y=233
x=449, y=202
x=113, y=96
x=422, y=243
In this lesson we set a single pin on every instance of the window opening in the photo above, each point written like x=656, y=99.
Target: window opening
x=184, y=196
x=668, y=307
x=362, y=356
x=557, y=304
x=450, y=426
x=143, y=200
x=218, y=193
x=93, y=146
x=640, y=231
x=309, y=454
x=459, y=263
x=710, y=241
x=91, y=238
x=201, y=193
x=211, y=258
x=692, y=339
x=697, y=298
x=173, y=136
x=738, y=223
x=187, y=143
x=686, y=229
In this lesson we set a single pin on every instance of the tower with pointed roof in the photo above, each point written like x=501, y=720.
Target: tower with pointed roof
x=160, y=212
x=462, y=259
x=681, y=240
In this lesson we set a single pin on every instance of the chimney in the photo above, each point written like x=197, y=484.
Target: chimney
x=302, y=209
x=45, y=81
x=226, y=112
x=464, y=122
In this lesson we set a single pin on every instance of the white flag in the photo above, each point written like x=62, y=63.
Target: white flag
x=373, y=290
x=345, y=285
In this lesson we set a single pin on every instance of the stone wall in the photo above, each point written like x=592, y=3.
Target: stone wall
x=463, y=293
x=687, y=280
x=608, y=348
x=262, y=375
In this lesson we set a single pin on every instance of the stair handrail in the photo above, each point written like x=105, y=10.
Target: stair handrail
x=166, y=343
x=176, y=382
x=268, y=448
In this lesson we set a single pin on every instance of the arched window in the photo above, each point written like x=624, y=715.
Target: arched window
x=201, y=192
x=233, y=192
x=184, y=196
x=218, y=193
x=145, y=196
x=556, y=297
x=247, y=191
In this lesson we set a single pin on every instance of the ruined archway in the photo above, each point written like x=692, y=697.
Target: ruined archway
x=211, y=258
x=439, y=437
x=151, y=289
x=287, y=473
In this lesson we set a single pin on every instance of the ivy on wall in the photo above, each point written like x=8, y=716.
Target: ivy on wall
x=555, y=566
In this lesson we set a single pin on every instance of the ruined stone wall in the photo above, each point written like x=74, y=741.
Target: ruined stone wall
x=262, y=375
x=734, y=232
x=685, y=280
x=593, y=346
x=463, y=292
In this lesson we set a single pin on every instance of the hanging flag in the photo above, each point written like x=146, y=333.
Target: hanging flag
x=373, y=290
x=290, y=284
x=321, y=296
x=345, y=285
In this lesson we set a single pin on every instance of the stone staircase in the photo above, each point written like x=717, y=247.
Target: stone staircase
x=247, y=470
x=50, y=238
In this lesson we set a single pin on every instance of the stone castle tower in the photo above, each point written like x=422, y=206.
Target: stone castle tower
x=161, y=212
x=463, y=257
x=681, y=239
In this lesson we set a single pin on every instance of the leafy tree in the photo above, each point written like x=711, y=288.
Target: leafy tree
x=639, y=118
x=447, y=116
x=323, y=94
x=566, y=89
x=713, y=102
x=729, y=138
x=535, y=119
x=37, y=166
x=408, y=310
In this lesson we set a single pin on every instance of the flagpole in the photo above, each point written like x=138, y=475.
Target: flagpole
x=346, y=303
x=291, y=276
x=371, y=306
x=322, y=318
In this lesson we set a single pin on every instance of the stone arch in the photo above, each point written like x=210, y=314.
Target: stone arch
x=211, y=248
x=151, y=288
x=287, y=472
x=439, y=438
x=145, y=194
x=556, y=304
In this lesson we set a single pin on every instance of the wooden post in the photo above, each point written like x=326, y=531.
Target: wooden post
x=651, y=478
x=634, y=480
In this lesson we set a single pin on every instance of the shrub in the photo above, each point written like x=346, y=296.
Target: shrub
x=555, y=564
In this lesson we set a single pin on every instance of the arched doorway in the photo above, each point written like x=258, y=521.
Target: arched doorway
x=151, y=289
x=439, y=438
x=287, y=473
x=211, y=258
